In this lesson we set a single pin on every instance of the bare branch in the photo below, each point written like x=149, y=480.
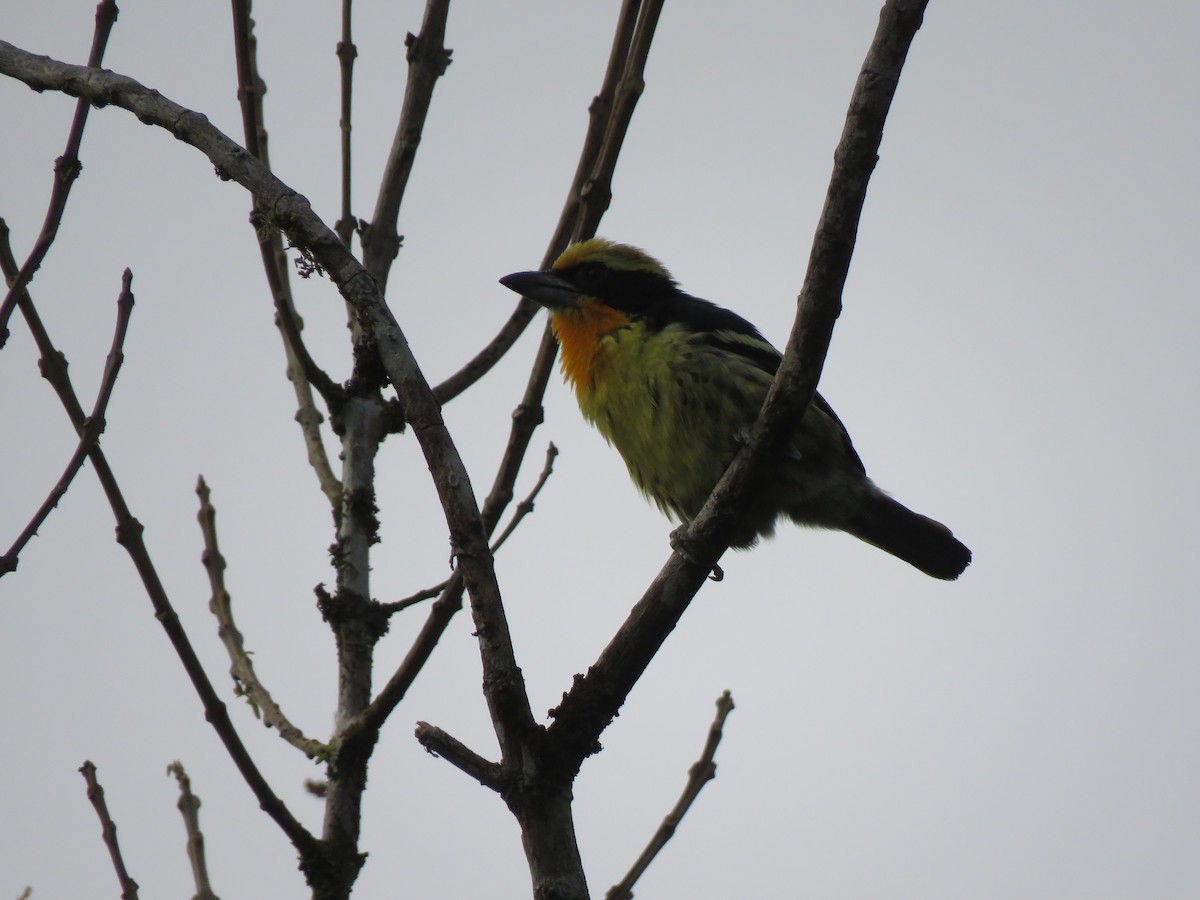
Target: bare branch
x=454, y=751
x=108, y=828
x=427, y=62
x=89, y=436
x=623, y=82
x=483, y=361
x=524, y=508
x=66, y=169
x=569, y=227
x=595, y=698
x=701, y=772
x=346, y=53
x=189, y=808
x=245, y=679
x=448, y=604
x=303, y=372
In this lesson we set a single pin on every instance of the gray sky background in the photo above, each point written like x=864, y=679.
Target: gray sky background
x=1017, y=357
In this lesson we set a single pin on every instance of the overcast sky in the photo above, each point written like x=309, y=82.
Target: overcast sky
x=1017, y=358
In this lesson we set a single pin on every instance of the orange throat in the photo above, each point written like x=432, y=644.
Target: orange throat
x=579, y=332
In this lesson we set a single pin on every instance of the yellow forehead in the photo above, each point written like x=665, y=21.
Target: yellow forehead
x=614, y=255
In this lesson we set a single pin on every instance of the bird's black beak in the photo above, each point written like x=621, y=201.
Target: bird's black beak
x=544, y=288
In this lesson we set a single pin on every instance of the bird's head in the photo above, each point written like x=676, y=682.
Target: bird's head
x=594, y=288
x=617, y=276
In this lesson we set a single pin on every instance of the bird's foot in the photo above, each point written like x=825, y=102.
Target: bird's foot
x=682, y=544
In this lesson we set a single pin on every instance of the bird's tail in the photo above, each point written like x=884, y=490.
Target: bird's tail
x=916, y=539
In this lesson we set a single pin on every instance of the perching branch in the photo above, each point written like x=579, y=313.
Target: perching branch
x=189, y=808
x=108, y=829
x=66, y=169
x=701, y=773
x=89, y=436
x=245, y=679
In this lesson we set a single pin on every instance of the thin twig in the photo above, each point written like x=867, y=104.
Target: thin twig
x=89, y=436
x=428, y=60
x=246, y=681
x=302, y=370
x=129, y=535
x=346, y=53
x=108, y=828
x=66, y=169
x=701, y=773
x=595, y=698
x=524, y=508
x=189, y=808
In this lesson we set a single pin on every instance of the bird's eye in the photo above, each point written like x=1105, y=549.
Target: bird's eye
x=590, y=275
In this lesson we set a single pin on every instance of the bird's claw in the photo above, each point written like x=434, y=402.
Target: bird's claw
x=681, y=543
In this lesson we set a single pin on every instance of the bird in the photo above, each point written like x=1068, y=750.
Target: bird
x=675, y=382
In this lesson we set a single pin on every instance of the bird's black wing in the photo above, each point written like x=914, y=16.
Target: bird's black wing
x=729, y=331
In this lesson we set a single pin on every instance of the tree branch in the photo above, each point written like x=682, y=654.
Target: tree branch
x=569, y=227
x=66, y=169
x=108, y=828
x=346, y=53
x=245, y=680
x=427, y=62
x=89, y=436
x=189, y=808
x=524, y=508
x=302, y=370
x=701, y=772
x=458, y=754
